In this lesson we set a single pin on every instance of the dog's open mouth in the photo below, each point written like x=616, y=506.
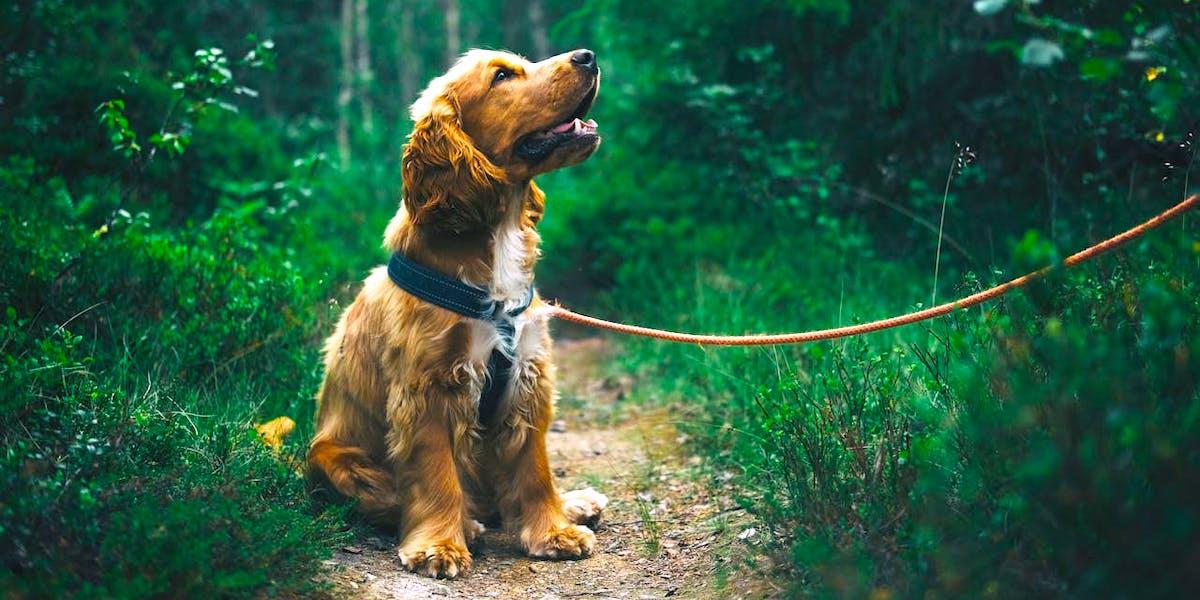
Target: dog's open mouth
x=573, y=130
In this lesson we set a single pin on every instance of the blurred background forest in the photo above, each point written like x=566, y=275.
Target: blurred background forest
x=190, y=190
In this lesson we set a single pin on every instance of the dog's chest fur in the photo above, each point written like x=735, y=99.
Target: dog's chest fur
x=511, y=275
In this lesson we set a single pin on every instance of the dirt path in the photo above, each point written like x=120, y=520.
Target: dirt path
x=663, y=534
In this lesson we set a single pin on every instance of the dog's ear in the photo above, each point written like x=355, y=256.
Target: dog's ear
x=448, y=183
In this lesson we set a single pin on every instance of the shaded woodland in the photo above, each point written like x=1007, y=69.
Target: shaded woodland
x=190, y=192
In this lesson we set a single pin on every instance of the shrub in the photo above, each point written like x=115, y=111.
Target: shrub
x=135, y=358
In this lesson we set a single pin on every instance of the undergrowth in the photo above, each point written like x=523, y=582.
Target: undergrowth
x=1046, y=444
x=136, y=358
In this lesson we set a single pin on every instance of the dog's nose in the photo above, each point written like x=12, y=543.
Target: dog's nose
x=584, y=58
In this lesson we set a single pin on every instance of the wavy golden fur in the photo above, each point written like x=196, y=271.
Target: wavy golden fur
x=398, y=427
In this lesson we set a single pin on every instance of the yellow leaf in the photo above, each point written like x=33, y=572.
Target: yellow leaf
x=1152, y=73
x=1158, y=137
x=272, y=432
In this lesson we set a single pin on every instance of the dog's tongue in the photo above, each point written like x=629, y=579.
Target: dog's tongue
x=574, y=125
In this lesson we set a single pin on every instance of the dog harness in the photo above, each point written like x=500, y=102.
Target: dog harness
x=472, y=302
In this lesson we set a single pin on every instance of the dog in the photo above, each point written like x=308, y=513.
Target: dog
x=401, y=428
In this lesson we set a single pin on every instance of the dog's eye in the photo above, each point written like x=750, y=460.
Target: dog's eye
x=501, y=75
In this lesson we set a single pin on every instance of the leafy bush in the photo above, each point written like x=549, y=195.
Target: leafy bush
x=156, y=306
x=129, y=465
x=1063, y=461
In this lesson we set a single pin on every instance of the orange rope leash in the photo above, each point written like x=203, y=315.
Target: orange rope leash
x=897, y=321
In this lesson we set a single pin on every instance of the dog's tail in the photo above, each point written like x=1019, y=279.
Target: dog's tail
x=351, y=473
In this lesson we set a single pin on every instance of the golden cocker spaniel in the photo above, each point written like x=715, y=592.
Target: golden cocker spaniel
x=400, y=427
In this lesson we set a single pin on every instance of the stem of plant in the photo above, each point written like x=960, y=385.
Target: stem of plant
x=1186, y=180
x=937, y=257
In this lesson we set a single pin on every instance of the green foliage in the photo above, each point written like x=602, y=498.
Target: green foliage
x=130, y=467
x=1068, y=451
x=124, y=139
x=737, y=112
x=141, y=340
x=116, y=491
x=1043, y=446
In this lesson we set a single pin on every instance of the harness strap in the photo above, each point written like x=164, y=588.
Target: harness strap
x=473, y=302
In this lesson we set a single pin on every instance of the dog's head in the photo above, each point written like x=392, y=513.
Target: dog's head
x=495, y=120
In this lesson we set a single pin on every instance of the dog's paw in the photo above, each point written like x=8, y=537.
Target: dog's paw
x=571, y=541
x=584, y=507
x=472, y=529
x=441, y=560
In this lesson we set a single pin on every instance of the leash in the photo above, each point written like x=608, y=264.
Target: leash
x=897, y=321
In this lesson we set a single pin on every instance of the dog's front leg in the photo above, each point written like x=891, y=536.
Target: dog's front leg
x=525, y=487
x=434, y=507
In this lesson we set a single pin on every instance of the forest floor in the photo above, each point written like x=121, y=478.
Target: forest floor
x=664, y=533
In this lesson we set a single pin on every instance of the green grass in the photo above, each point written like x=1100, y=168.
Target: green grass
x=1003, y=451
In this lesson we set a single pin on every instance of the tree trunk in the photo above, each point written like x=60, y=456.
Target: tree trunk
x=408, y=57
x=346, y=87
x=537, y=30
x=513, y=25
x=364, y=77
x=450, y=16
x=470, y=32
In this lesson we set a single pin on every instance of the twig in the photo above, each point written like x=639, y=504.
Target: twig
x=77, y=315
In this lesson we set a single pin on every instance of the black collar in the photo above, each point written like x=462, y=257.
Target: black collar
x=449, y=293
x=473, y=302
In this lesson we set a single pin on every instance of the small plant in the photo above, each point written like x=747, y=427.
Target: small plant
x=963, y=158
x=210, y=78
x=123, y=138
x=651, y=536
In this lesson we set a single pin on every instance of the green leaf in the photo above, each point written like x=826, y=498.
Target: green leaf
x=1099, y=69
x=1110, y=37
